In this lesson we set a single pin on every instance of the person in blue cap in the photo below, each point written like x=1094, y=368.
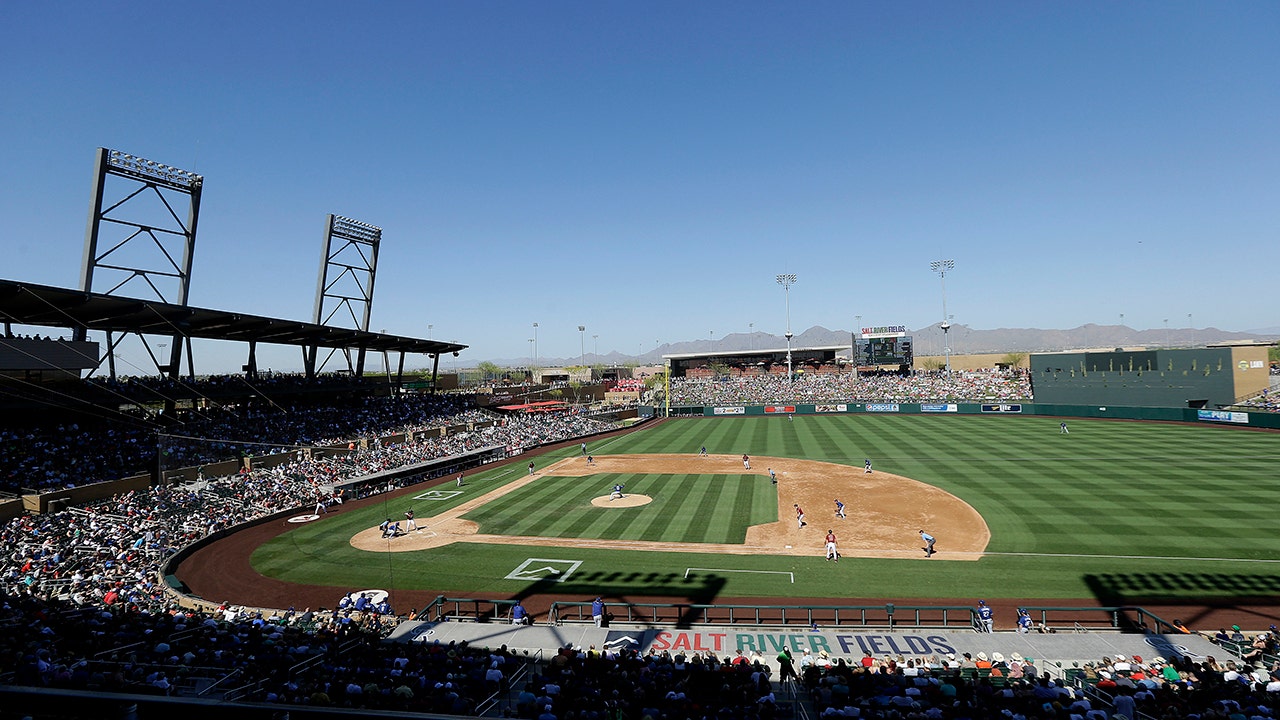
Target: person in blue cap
x=986, y=622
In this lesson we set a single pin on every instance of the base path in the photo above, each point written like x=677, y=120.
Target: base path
x=885, y=512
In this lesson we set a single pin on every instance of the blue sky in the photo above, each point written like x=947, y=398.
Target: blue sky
x=646, y=169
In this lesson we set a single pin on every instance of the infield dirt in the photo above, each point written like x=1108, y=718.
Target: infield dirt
x=885, y=512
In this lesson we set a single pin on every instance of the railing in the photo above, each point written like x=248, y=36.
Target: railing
x=1086, y=619
x=887, y=616
x=488, y=704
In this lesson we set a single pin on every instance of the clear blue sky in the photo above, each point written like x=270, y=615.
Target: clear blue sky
x=646, y=169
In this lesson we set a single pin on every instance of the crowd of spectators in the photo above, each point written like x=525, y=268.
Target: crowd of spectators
x=959, y=386
x=1268, y=401
x=83, y=607
x=108, y=551
x=53, y=456
x=966, y=687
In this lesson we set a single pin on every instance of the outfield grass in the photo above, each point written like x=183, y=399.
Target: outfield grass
x=1115, y=511
x=685, y=508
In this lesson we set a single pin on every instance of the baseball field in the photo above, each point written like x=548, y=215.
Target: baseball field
x=1111, y=513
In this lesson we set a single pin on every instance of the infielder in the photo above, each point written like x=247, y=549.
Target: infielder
x=928, y=543
x=799, y=515
x=832, y=554
x=866, y=467
x=840, y=509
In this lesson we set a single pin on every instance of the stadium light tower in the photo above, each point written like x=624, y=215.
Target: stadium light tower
x=582, y=345
x=535, y=344
x=786, y=281
x=941, y=267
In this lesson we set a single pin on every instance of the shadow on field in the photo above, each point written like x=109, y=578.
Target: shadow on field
x=669, y=598
x=1222, y=589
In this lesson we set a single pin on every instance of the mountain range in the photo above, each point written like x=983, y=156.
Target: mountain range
x=964, y=340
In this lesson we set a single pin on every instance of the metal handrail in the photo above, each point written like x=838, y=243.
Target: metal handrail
x=886, y=615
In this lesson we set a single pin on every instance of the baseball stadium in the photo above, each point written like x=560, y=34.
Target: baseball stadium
x=776, y=533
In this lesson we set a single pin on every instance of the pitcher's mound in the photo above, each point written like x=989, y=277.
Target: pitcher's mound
x=627, y=501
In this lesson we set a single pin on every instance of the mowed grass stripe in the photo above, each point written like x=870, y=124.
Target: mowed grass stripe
x=701, y=522
x=1109, y=488
x=679, y=492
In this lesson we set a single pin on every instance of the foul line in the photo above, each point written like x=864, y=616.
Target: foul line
x=763, y=572
x=1136, y=557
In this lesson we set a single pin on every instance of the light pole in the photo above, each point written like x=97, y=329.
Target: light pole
x=857, y=335
x=1166, y=332
x=596, y=351
x=429, y=328
x=535, y=343
x=751, y=333
x=786, y=281
x=941, y=267
x=531, y=351
x=582, y=345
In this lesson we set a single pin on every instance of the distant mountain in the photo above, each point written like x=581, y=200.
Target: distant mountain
x=963, y=339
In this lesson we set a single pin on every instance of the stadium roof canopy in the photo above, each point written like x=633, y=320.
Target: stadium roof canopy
x=45, y=306
x=747, y=353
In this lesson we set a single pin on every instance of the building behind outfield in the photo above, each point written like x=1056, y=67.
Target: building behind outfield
x=1208, y=377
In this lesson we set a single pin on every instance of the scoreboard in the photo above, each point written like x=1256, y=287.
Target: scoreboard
x=885, y=351
x=887, y=345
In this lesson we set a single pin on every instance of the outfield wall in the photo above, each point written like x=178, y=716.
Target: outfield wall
x=1211, y=417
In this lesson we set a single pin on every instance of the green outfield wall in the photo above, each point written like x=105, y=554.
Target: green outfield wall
x=1198, y=377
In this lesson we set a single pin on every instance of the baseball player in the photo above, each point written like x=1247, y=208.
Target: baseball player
x=866, y=467
x=1062, y=429
x=928, y=543
x=799, y=515
x=617, y=492
x=986, y=623
x=409, y=522
x=703, y=451
x=840, y=509
x=530, y=467
x=591, y=460
x=832, y=554
x=773, y=477
x=746, y=462
x=459, y=479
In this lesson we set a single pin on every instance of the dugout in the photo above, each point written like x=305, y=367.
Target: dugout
x=1209, y=377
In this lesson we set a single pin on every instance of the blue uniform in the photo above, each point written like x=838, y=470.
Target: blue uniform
x=839, y=509
x=985, y=621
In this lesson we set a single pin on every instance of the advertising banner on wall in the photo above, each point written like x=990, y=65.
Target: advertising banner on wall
x=1223, y=416
x=882, y=407
x=1003, y=408
x=729, y=411
x=952, y=407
